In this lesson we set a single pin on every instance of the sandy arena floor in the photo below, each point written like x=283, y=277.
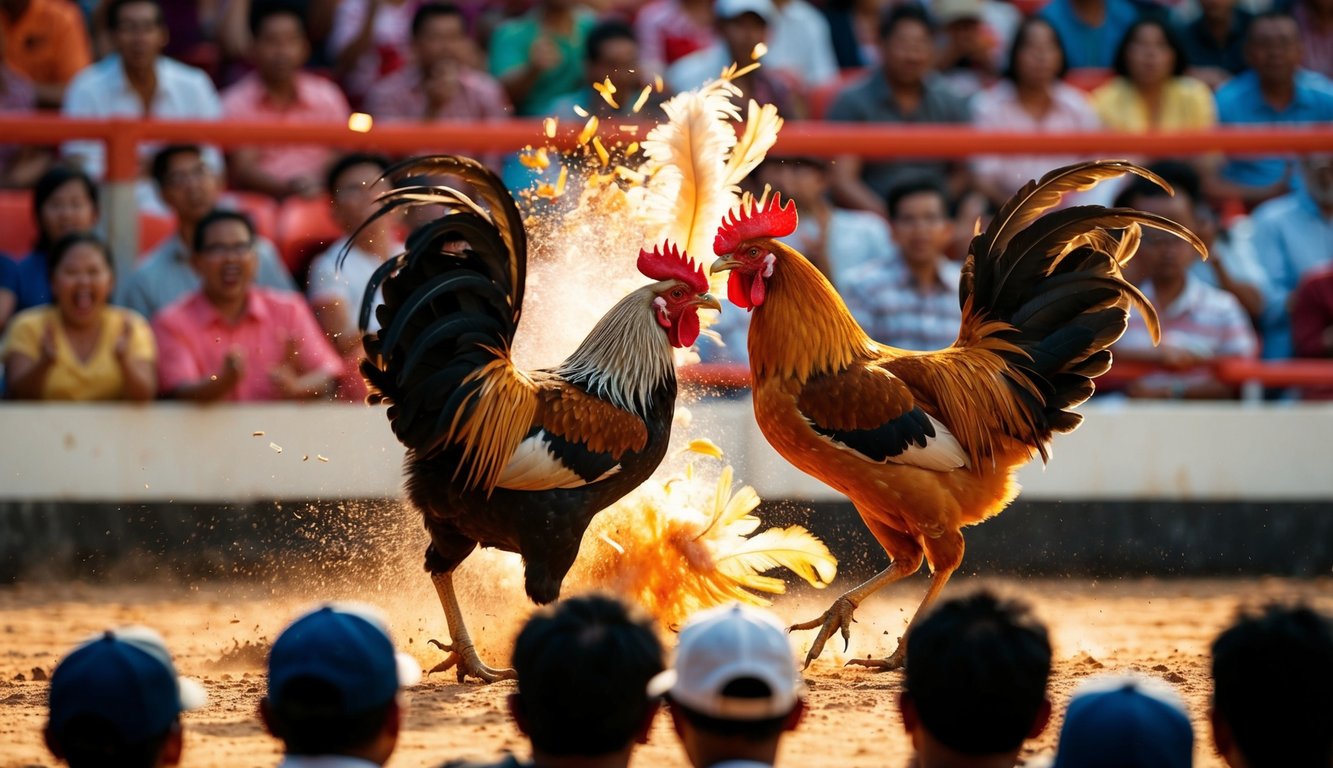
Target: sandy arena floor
x=219, y=633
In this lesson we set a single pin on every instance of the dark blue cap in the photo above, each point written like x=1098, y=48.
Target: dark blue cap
x=1125, y=721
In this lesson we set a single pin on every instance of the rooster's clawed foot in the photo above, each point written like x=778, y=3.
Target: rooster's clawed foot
x=467, y=663
x=895, y=661
x=838, y=618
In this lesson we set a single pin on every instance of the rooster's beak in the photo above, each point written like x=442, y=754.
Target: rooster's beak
x=722, y=264
x=707, y=300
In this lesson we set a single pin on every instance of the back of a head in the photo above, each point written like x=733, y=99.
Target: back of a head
x=977, y=669
x=583, y=670
x=1273, y=686
x=1125, y=721
x=91, y=741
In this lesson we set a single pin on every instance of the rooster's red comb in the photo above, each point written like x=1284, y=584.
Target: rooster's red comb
x=773, y=220
x=666, y=262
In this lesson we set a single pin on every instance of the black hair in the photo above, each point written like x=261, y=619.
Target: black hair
x=427, y=11
x=64, y=245
x=1180, y=175
x=583, y=670
x=603, y=33
x=914, y=186
x=214, y=217
x=91, y=741
x=46, y=186
x=1273, y=685
x=977, y=670
x=308, y=715
x=113, y=11
x=1120, y=64
x=1011, y=68
x=749, y=730
x=349, y=161
x=903, y=13
x=162, y=160
x=1269, y=15
x=263, y=10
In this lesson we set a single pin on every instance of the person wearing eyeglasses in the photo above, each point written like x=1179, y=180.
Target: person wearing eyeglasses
x=234, y=340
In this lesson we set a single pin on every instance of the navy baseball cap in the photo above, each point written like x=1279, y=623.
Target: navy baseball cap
x=346, y=646
x=124, y=676
x=1125, y=721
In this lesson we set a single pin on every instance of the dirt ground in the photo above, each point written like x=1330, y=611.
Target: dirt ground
x=219, y=633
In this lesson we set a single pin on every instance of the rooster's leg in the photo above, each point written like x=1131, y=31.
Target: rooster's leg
x=838, y=618
x=462, y=654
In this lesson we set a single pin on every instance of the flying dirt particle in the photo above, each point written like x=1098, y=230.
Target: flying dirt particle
x=360, y=122
x=305, y=457
x=276, y=448
x=257, y=433
x=322, y=458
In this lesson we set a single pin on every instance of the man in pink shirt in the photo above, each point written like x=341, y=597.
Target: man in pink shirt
x=279, y=91
x=233, y=340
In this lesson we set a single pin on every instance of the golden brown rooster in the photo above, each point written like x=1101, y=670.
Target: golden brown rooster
x=497, y=456
x=926, y=443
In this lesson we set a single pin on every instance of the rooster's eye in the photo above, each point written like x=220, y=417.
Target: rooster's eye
x=677, y=293
x=753, y=252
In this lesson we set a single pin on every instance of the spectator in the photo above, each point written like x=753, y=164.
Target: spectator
x=47, y=42
x=583, y=667
x=734, y=689
x=278, y=91
x=116, y=699
x=1215, y=41
x=669, y=30
x=190, y=189
x=975, y=682
x=8, y=291
x=854, y=29
x=1293, y=236
x=138, y=82
x=1315, y=19
x=911, y=303
x=64, y=201
x=800, y=46
x=368, y=42
x=1275, y=90
x=235, y=40
x=20, y=165
x=1125, y=721
x=234, y=340
x=441, y=82
x=742, y=25
x=1200, y=323
x=77, y=347
x=333, y=682
x=1033, y=98
x=1273, y=689
x=539, y=57
x=1091, y=30
x=612, y=54
x=970, y=53
x=336, y=289
x=1312, y=315
x=1151, y=91
x=904, y=89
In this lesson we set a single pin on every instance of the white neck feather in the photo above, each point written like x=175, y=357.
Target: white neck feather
x=626, y=356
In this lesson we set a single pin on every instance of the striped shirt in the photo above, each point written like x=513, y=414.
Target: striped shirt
x=891, y=306
x=1205, y=320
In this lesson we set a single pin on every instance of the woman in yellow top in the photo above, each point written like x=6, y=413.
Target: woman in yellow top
x=77, y=347
x=1151, y=91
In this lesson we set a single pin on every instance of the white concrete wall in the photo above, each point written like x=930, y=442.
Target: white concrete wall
x=176, y=452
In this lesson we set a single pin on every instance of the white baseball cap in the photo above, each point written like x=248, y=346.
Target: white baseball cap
x=725, y=644
x=730, y=9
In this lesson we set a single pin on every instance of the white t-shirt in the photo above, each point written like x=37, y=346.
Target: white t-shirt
x=346, y=285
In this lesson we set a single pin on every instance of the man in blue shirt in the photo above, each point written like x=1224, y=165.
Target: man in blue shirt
x=1090, y=30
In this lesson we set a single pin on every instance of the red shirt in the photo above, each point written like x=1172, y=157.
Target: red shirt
x=317, y=101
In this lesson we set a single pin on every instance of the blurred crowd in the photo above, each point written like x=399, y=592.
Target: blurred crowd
x=592, y=676
x=255, y=305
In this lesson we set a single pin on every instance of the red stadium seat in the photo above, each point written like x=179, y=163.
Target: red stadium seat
x=305, y=228
x=18, y=231
x=821, y=98
x=153, y=229
x=262, y=210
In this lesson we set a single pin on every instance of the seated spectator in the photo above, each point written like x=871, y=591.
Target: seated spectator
x=116, y=699
x=20, y=164
x=1151, y=91
x=742, y=25
x=612, y=54
x=337, y=289
x=1125, y=721
x=854, y=29
x=190, y=189
x=235, y=41
x=77, y=347
x=1199, y=323
x=1275, y=90
x=47, y=42
x=975, y=682
x=64, y=201
x=368, y=42
x=1293, y=236
x=440, y=82
x=234, y=340
x=800, y=46
x=138, y=82
x=584, y=665
x=669, y=30
x=1315, y=19
x=333, y=689
x=1312, y=315
x=904, y=89
x=970, y=53
x=1032, y=97
x=1091, y=30
x=1215, y=41
x=911, y=302
x=279, y=91
x=1272, y=699
x=539, y=56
